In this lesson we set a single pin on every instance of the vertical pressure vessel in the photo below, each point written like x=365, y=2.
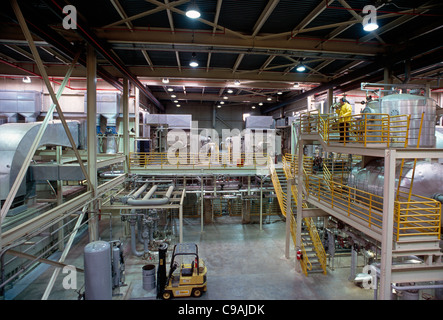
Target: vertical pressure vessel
x=98, y=274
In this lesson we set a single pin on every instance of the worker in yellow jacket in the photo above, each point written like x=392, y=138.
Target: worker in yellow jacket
x=344, y=111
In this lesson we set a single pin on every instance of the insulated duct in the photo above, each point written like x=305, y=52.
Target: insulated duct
x=16, y=141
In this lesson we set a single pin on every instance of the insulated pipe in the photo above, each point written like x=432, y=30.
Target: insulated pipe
x=133, y=242
x=140, y=191
x=150, y=202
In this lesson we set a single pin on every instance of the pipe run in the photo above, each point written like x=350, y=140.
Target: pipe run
x=146, y=201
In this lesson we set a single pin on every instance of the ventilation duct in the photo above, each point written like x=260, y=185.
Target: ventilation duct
x=16, y=141
x=27, y=104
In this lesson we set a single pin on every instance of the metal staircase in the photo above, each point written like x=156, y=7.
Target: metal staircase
x=417, y=220
x=314, y=256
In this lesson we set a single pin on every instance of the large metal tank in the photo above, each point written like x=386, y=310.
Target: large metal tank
x=98, y=273
x=428, y=178
x=416, y=106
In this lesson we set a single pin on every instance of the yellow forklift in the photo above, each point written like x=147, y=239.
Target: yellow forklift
x=187, y=272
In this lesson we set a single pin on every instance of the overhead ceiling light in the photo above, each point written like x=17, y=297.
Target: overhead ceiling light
x=178, y=106
x=173, y=96
x=170, y=89
x=165, y=80
x=253, y=107
x=219, y=106
x=296, y=85
x=269, y=99
x=279, y=92
x=175, y=101
x=193, y=63
x=225, y=97
x=260, y=104
x=370, y=27
x=237, y=82
x=222, y=102
x=370, y=19
x=27, y=80
x=230, y=91
x=301, y=67
x=193, y=11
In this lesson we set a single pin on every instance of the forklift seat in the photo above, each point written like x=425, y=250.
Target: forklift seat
x=187, y=272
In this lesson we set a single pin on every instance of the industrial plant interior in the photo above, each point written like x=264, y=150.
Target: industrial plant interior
x=241, y=150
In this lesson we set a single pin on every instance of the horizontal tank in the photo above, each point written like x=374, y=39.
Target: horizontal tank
x=428, y=178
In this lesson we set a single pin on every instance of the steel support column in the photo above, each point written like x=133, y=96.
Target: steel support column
x=125, y=101
x=288, y=217
x=301, y=144
x=388, y=225
x=91, y=108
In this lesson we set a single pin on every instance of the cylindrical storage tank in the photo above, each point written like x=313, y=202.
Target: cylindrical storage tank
x=148, y=277
x=98, y=274
x=371, y=113
x=428, y=178
x=416, y=106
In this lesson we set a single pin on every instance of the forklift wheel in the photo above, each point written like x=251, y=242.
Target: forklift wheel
x=167, y=295
x=196, y=293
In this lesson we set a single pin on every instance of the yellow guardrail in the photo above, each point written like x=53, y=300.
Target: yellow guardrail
x=309, y=223
x=139, y=160
x=420, y=216
x=364, y=129
x=282, y=200
x=360, y=204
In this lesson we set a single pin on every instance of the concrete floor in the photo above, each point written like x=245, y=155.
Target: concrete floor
x=243, y=263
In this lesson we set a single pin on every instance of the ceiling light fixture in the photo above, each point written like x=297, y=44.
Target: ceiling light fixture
x=165, y=80
x=193, y=63
x=230, y=91
x=279, y=92
x=237, y=82
x=260, y=104
x=225, y=97
x=193, y=11
x=170, y=89
x=175, y=101
x=370, y=19
x=296, y=85
x=173, y=96
x=219, y=106
x=301, y=67
x=178, y=106
x=27, y=80
x=253, y=107
x=222, y=102
x=269, y=99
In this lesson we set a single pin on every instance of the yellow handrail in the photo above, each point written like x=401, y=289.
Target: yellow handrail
x=195, y=160
x=316, y=241
x=365, y=129
x=282, y=200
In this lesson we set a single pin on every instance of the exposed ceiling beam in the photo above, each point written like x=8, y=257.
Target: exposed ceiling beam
x=417, y=47
x=209, y=23
x=146, y=13
x=102, y=47
x=310, y=17
x=122, y=13
x=237, y=62
x=217, y=15
x=264, y=16
x=212, y=97
x=144, y=38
